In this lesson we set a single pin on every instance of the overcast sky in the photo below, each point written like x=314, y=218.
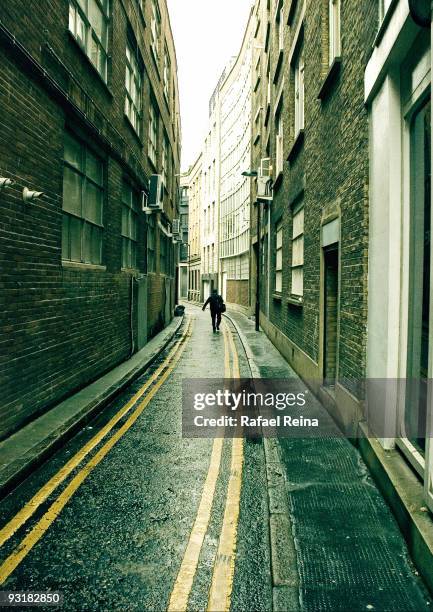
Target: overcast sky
x=206, y=33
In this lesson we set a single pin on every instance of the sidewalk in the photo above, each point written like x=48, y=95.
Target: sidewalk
x=350, y=552
x=31, y=445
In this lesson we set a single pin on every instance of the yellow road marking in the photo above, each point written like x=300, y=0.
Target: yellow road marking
x=222, y=579
x=185, y=578
x=56, y=507
x=42, y=495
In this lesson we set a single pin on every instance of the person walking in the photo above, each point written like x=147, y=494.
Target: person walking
x=217, y=307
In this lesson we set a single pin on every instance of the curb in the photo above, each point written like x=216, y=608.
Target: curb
x=284, y=564
x=14, y=473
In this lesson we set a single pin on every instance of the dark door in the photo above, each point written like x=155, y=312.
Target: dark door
x=331, y=316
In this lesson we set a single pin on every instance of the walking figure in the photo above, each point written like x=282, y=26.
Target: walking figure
x=217, y=307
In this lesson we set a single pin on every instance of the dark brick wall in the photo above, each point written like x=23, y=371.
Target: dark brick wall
x=62, y=327
x=330, y=169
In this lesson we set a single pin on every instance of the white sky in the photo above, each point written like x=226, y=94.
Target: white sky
x=206, y=34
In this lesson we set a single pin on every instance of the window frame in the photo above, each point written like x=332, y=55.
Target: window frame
x=334, y=30
x=278, y=285
x=279, y=142
x=155, y=31
x=130, y=238
x=152, y=150
x=297, y=237
x=299, y=71
x=84, y=39
x=83, y=218
x=135, y=72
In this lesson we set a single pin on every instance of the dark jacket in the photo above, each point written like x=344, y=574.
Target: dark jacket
x=215, y=301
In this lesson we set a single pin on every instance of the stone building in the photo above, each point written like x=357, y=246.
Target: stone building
x=89, y=111
x=234, y=190
x=182, y=290
x=210, y=200
x=193, y=181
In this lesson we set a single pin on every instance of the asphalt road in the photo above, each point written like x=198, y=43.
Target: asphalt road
x=130, y=515
x=120, y=539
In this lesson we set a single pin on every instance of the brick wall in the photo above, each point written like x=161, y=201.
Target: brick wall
x=328, y=171
x=62, y=326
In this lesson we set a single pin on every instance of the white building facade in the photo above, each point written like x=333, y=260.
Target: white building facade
x=400, y=307
x=235, y=196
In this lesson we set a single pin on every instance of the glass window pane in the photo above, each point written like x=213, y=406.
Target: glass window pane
x=75, y=238
x=73, y=152
x=96, y=18
x=81, y=30
x=93, y=168
x=298, y=281
x=87, y=240
x=298, y=223
x=72, y=191
x=65, y=237
x=96, y=253
x=124, y=221
x=279, y=260
x=298, y=252
x=72, y=18
x=92, y=209
x=133, y=226
x=133, y=255
x=279, y=281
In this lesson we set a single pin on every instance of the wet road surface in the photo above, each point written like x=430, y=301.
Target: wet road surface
x=131, y=516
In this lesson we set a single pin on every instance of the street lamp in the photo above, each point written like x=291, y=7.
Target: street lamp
x=253, y=174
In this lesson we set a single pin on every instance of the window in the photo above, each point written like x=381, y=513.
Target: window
x=155, y=29
x=166, y=75
x=334, y=30
x=129, y=226
x=298, y=252
x=153, y=133
x=88, y=22
x=165, y=167
x=151, y=243
x=280, y=31
x=299, y=93
x=279, y=258
x=279, y=143
x=83, y=196
x=383, y=6
x=164, y=254
x=133, y=85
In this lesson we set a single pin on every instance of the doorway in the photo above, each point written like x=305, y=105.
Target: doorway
x=330, y=316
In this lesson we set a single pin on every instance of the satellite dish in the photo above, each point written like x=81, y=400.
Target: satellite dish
x=421, y=12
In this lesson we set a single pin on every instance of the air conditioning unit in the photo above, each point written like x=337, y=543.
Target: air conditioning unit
x=155, y=200
x=175, y=226
x=264, y=180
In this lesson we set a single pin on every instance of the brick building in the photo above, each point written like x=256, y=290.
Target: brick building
x=89, y=111
x=311, y=122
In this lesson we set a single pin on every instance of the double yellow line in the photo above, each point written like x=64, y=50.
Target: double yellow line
x=223, y=571
x=157, y=380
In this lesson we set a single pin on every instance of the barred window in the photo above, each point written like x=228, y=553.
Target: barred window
x=129, y=226
x=83, y=195
x=298, y=252
x=279, y=258
x=153, y=134
x=133, y=85
x=88, y=22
